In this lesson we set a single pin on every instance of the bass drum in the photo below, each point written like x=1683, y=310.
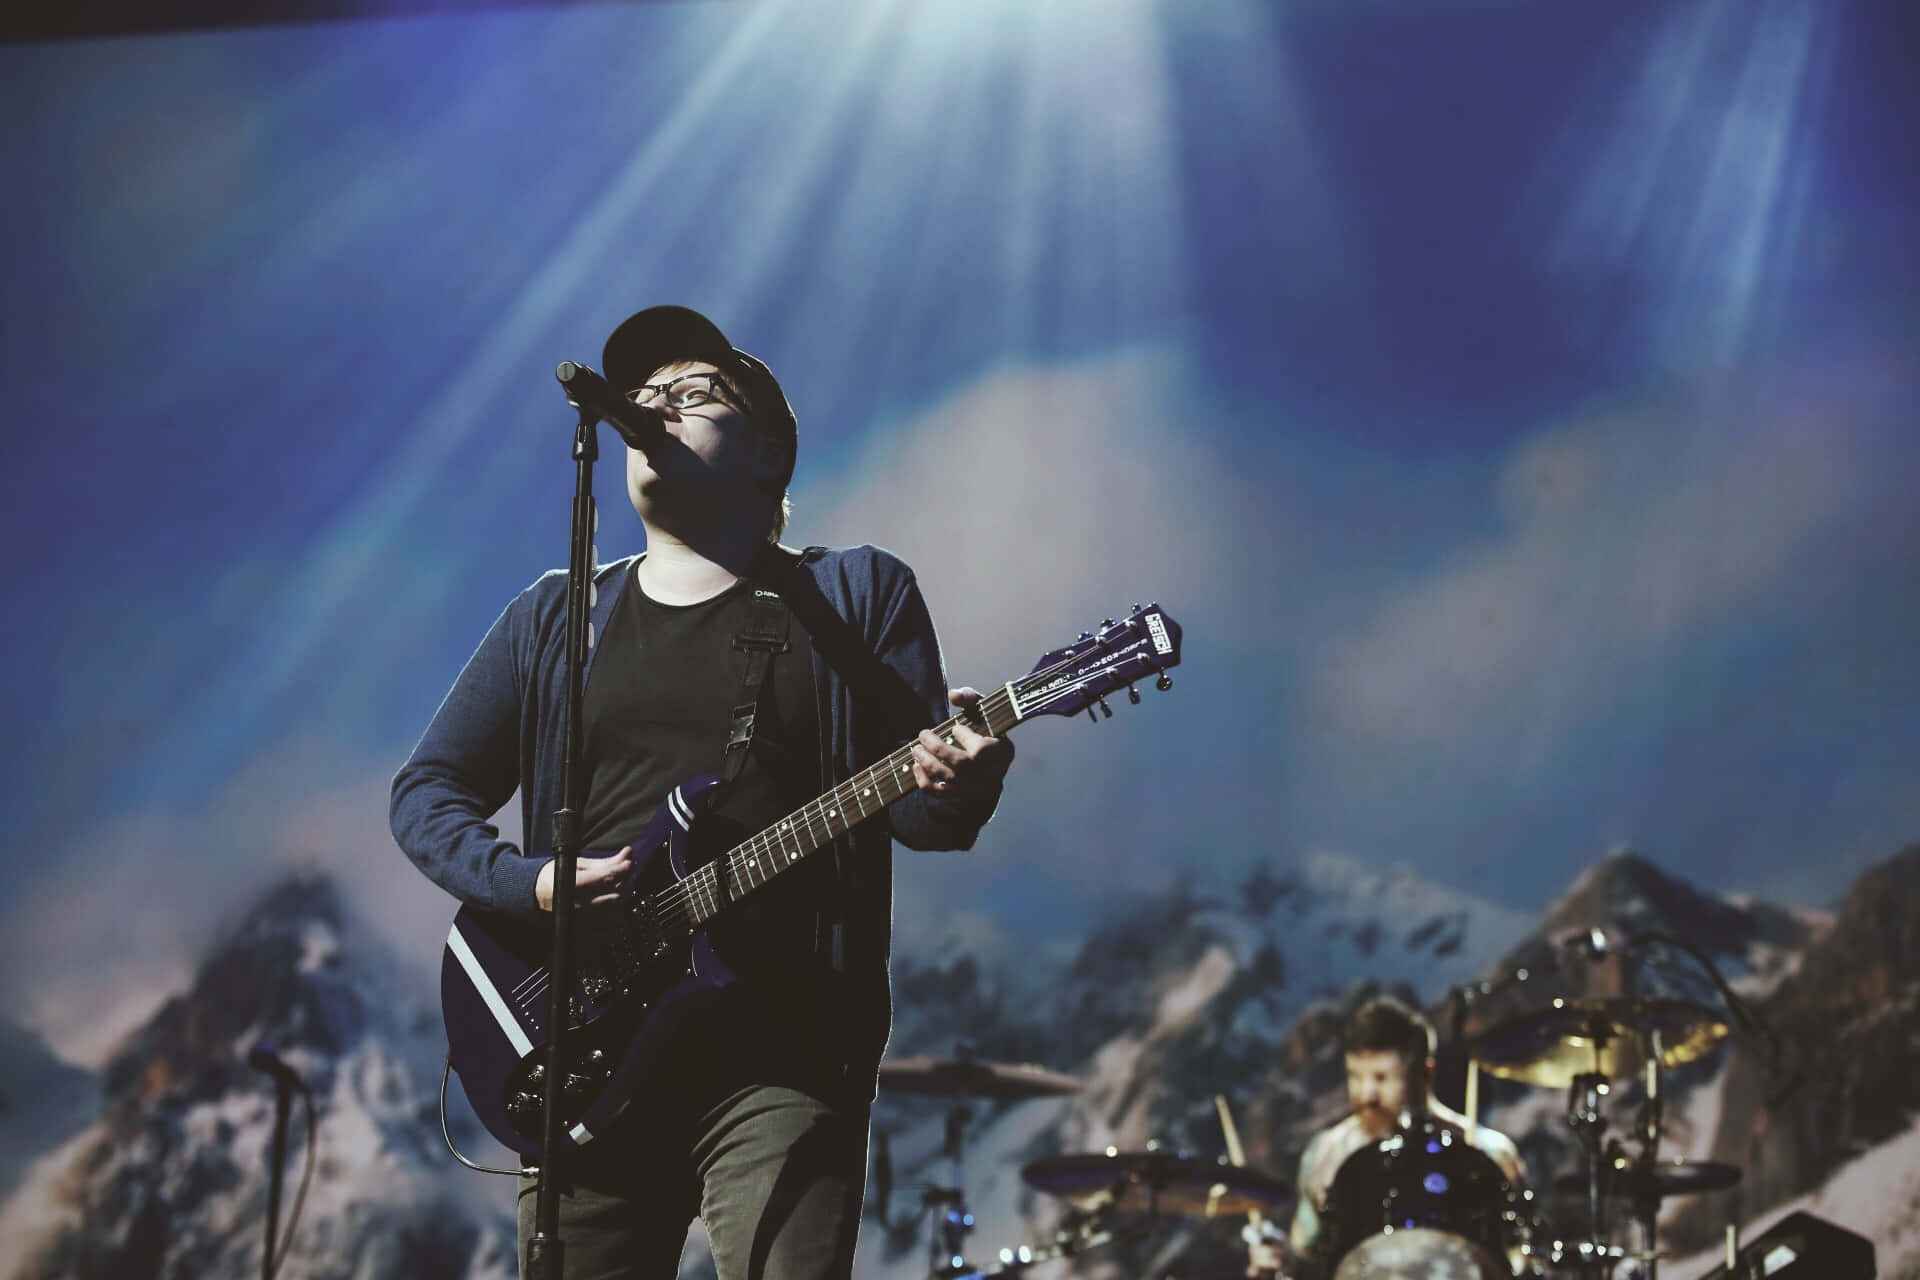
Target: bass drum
x=1422, y=1205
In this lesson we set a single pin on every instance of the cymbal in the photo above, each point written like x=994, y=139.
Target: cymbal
x=1156, y=1182
x=1664, y=1178
x=1609, y=1037
x=968, y=1078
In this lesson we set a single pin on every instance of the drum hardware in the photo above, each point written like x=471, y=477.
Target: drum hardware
x=1423, y=1202
x=947, y=1244
x=963, y=1078
x=1606, y=1037
x=1078, y=1232
x=972, y=1078
x=1583, y=1046
x=1237, y=1156
x=1589, y=1123
x=1156, y=1183
x=1587, y=1256
x=1636, y=1179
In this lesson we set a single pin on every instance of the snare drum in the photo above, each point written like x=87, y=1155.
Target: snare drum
x=1421, y=1203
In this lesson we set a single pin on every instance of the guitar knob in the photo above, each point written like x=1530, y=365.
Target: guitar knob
x=1164, y=683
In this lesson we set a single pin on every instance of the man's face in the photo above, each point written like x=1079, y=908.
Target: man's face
x=1379, y=1087
x=713, y=452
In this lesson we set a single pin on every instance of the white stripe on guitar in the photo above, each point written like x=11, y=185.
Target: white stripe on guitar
x=681, y=813
x=477, y=975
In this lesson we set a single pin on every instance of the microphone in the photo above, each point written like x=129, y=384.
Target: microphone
x=262, y=1058
x=591, y=393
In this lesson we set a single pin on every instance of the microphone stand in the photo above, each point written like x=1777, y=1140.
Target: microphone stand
x=545, y=1252
x=276, y=1162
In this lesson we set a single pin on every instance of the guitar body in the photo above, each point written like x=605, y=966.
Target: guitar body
x=641, y=962
x=629, y=976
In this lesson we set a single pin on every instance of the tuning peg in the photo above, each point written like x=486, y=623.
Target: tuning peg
x=1086, y=635
x=1164, y=682
x=1134, y=608
x=1105, y=623
x=1133, y=695
x=1102, y=702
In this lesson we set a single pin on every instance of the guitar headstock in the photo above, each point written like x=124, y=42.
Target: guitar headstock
x=1121, y=653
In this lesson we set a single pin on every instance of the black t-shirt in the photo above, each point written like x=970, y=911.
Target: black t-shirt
x=659, y=702
x=656, y=712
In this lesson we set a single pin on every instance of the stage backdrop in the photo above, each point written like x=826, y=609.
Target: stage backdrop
x=1514, y=402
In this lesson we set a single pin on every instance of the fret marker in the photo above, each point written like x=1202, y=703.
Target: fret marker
x=866, y=791
x=833, y=813
x=793, y=855
x=786, y=826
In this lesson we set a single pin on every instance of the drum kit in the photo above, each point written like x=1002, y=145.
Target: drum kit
x=1422, y=1204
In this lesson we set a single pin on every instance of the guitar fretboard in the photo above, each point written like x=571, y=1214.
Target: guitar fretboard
x=758, y=859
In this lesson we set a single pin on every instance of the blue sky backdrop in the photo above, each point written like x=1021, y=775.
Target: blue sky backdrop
x=1515, y=401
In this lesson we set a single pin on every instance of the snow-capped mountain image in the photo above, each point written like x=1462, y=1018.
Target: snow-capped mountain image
x=1224, y=990
x=44, y=1100
x=169, y=1179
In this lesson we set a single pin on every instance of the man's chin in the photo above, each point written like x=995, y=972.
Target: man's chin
x=1376, y=1123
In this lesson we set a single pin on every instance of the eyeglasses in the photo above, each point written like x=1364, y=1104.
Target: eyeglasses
x=689, y=391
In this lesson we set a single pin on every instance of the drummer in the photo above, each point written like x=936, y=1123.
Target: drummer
x=1389, y=1049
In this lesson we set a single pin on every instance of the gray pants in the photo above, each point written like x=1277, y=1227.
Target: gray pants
x=776, y=1174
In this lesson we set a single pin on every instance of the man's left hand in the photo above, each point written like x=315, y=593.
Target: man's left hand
x=972, y=761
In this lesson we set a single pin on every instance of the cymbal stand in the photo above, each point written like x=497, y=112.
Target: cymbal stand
x=953, y=1222
x=1589, y=1125
x=1079, y=1230
x=1646, y=1196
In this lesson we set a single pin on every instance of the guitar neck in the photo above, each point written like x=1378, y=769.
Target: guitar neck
x=757, y=860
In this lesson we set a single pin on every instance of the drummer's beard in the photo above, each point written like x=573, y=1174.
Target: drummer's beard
x=1378, y=1121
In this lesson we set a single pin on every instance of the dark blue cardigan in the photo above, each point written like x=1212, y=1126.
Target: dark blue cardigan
x=501, y=728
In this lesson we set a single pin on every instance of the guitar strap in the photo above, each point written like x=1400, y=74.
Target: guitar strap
x=877, y=688
x=762, y=636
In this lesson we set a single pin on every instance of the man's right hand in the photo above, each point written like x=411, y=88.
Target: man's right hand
x=595, y=880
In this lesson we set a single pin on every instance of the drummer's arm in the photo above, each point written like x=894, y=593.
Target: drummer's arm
x=1304, y=1234
x=1502, y=1150
x=1305, y=1230
x=1511, y=1164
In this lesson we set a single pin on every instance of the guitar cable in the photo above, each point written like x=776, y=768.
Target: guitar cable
x=447, y=1133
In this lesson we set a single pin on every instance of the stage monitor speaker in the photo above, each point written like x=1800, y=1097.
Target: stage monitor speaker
x=1801, y=1247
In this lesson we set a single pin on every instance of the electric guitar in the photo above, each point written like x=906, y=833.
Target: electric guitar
x=636, y=958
